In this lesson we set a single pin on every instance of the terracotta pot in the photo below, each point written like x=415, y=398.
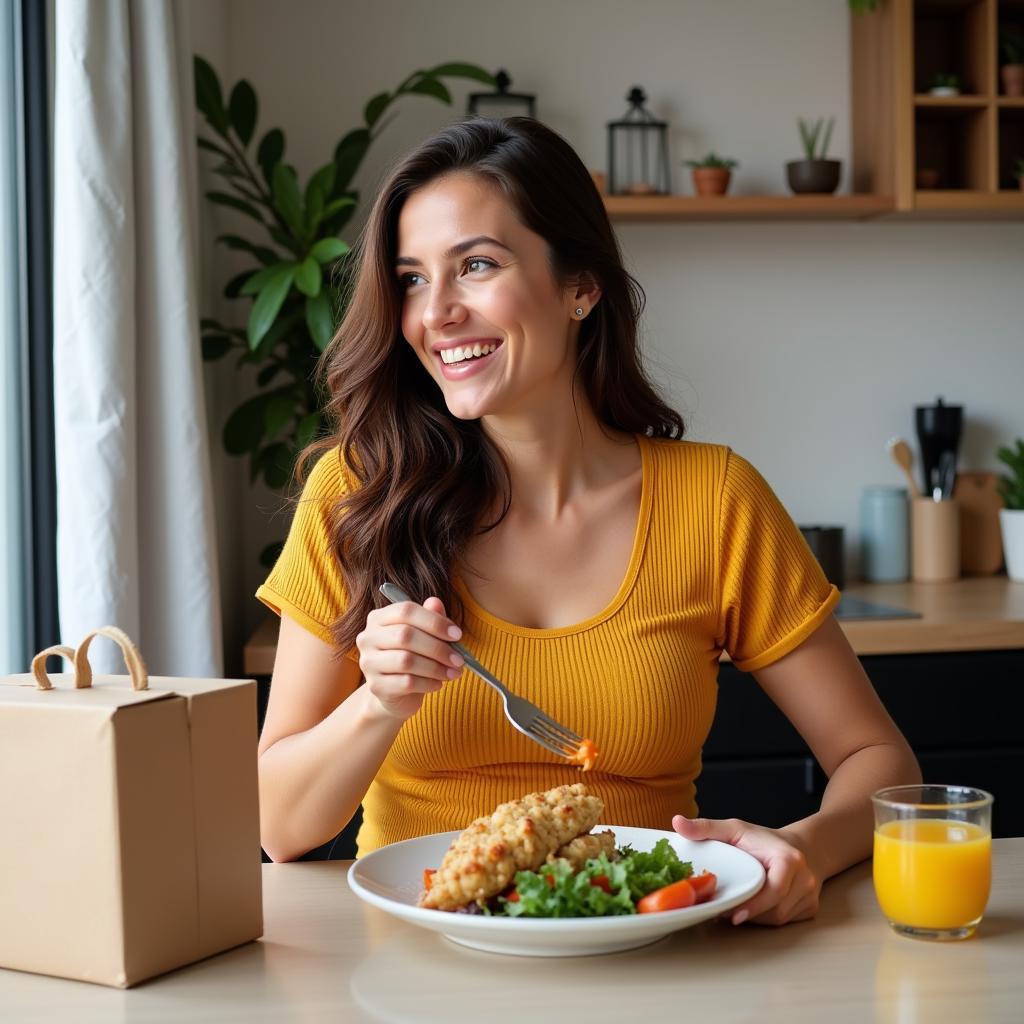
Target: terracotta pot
x=813, y=175
x=1013, y=79
x=927, y=177
x=711, y=181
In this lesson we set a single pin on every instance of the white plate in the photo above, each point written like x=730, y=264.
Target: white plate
x=390, y=878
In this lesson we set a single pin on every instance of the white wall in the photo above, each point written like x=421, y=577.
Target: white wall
x=804, y=346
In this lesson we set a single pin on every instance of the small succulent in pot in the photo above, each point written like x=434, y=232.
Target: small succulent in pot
x=945, y=84
x=815, y=173
x=711, y=174
x=1011, y=518
x=1011, y=48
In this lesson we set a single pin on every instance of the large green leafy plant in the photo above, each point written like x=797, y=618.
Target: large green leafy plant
x=295, y=286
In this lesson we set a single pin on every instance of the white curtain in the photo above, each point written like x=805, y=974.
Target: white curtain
x=14, y=595
x=135, y=537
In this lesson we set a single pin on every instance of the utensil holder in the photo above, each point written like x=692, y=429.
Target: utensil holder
x=934, y=540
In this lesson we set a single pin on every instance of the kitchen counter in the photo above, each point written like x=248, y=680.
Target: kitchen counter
x=325, y=956
x=976, y=613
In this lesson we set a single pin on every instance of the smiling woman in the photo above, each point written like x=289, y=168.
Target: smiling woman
x=501, y=455
x=492, y=234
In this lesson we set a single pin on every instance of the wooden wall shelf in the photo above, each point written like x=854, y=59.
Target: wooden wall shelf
x=740, y=208
x=903, y=136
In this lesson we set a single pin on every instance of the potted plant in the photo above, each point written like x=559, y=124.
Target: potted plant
x=945, y=84
x=295, y=286
x=711, y=174
x=1011, y=45
x=1018, y=172
x=814, y=173
x=1011, y=518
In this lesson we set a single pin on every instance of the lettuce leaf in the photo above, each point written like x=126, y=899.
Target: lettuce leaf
x=647, y=871
x=571, y=895
x=555, y=891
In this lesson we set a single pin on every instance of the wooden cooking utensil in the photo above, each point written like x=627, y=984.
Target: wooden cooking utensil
x=904, y=458
x=981, y=544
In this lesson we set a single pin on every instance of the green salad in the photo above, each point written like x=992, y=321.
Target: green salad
x=601, y=888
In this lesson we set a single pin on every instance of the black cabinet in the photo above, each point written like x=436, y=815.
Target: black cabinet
x=959, y=712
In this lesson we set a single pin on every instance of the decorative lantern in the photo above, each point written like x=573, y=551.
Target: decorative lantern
x=638, y=151
x=501, y=102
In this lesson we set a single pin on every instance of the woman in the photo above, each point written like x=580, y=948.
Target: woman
x=500, y=454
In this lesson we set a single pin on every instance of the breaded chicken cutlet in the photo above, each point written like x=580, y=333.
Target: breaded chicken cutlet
x=518, y=836
x=583, y=848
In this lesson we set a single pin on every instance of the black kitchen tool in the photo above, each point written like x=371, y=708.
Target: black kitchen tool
x=938, y=431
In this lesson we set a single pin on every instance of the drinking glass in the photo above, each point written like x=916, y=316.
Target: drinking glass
x=933, y=858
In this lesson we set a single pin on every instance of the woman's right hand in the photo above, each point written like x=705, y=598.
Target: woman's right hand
x=404, y=654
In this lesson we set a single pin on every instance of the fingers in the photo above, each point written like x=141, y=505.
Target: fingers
x=409, y=638
x=790, y=892
x=428, y=617
x=725, y=830
x=405, y=653
x=401, y=661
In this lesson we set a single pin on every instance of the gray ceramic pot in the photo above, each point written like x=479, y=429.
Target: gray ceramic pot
x=813, y=175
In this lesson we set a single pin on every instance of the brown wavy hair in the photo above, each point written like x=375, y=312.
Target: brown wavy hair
x=422, y=480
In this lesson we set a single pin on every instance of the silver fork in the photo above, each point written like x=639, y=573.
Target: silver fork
x=526, y=717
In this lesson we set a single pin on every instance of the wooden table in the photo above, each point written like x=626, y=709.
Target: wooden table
x=325, y=956
x=976, y=613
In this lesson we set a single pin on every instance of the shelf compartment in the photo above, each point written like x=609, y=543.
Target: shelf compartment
x=954, y=37
x=954, y=141
x=1010, y=18
x=1011, y=146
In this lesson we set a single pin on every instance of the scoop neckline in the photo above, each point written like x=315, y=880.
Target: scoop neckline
x=625, y=588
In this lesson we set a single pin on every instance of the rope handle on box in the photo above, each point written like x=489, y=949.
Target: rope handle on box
x=80, y=659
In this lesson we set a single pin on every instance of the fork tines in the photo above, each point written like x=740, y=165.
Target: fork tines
x=554, y=736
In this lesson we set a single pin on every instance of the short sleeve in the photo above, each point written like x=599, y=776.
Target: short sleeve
x=774, y=593
x=306, y=581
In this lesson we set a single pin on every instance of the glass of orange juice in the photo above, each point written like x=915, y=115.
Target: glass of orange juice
x=933, y=858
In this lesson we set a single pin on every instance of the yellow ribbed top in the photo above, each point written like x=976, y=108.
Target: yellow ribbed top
x=717, y=564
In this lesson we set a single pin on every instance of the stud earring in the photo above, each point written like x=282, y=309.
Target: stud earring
x=579, y=311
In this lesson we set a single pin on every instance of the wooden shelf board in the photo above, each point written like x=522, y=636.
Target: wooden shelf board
x=1010, y=102
x=960, y=200
x=951, y=102
x=803, y=207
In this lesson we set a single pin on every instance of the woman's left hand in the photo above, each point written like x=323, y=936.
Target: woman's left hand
x=791, y=889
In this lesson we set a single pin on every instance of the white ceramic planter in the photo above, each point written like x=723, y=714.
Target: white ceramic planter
x=1011, y=522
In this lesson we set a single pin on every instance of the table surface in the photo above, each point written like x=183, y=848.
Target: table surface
x=325, y=956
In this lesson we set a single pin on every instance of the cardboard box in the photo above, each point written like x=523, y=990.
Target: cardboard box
x=129, y=818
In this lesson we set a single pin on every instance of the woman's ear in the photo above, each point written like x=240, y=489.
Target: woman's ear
x=586, y=293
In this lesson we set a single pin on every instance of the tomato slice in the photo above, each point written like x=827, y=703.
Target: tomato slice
x=602, y=882
x=669, y=897
x=703, y=885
